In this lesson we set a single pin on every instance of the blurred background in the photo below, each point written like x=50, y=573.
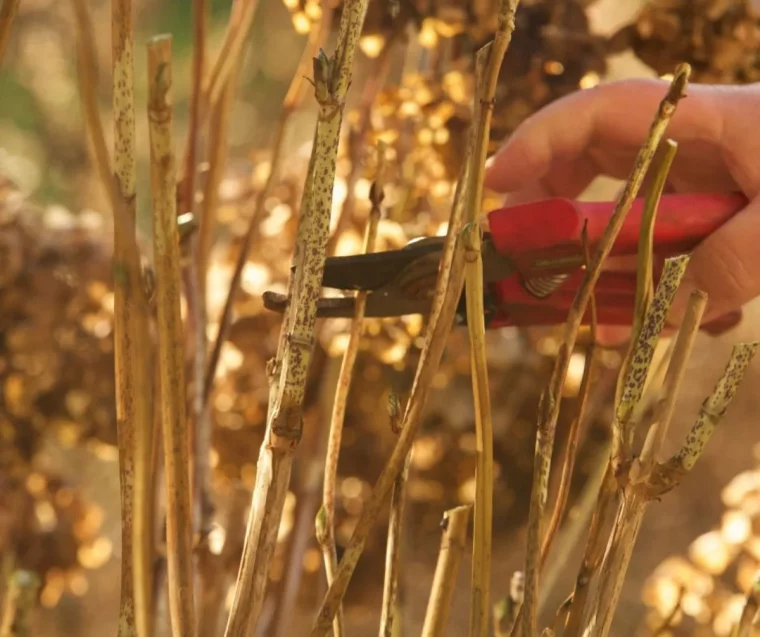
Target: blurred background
x=59, y=486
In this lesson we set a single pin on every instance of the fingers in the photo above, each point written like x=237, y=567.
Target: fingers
x=602, y=128
x=726, y=266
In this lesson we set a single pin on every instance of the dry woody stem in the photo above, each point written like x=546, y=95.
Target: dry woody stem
x=455, y=523
x=139, y=427
x=288, y=373
x=488, y=64
x=170, y=340
x=568, y=465
x=395, y=533
x=134, y=387
x=18, y=605
x=481, y=561
x=326, y=516
x=232, y=48
x=550, y=401
x=8, y=11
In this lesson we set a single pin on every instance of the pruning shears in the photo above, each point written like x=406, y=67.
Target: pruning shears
x=533, y=260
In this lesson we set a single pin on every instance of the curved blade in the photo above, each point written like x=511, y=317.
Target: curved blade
x=378, y=269
x=379, y=305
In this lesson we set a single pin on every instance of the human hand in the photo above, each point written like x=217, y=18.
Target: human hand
x=560, y=149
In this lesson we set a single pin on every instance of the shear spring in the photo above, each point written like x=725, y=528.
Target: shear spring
x=543, y=286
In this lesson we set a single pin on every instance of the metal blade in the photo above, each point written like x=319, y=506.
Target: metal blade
x=378, y=269
x=379, y=305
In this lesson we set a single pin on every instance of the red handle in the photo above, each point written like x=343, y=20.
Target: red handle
x=545, y=237
x=614, y=293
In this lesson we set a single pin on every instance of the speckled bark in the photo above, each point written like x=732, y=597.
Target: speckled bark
x=332, y=77
x=171, y=339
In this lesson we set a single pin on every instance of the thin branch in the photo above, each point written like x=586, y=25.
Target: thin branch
x=231, y=51
x=190, y=162
x=395, y=525
x=289, y=372
x=19, y=604
x=8, y=12
x=561, y=616
x=666, y=404
x=550, y=401
x=710, y=415
x=472, y=238
x=579, y=518
x=290, y=105
x=326, y=518
x=573, y=435
x=455, y=523
x=132, y=350
x=170, y=340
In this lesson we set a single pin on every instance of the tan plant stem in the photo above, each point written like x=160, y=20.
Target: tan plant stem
x=561, y=616
x=293, y=100
x=132, y=353
x=170, y=340
x=550, y=401
x=576, y=524
x=326, y=516
x=593, y=553
x=645, y=283
x=395, y=527
x=666, y=475
x=135, y=430
x=445, y=300
x=374, y=83
x=190, y=162
x=231, y=50
x=568, y=466
x=289, y=372
x=666, y=403
x=488, y=63
x=8, y=12
x=455, y=524
x=481, y=562
x=19, y=603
